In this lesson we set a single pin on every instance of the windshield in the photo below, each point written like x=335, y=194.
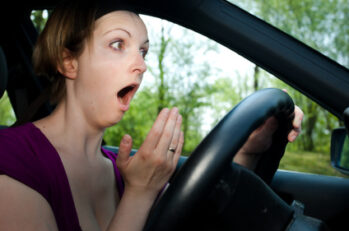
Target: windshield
x=321, y=24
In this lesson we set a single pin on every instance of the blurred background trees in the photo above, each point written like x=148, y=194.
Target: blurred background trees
x=323, y=26
x=7, y=116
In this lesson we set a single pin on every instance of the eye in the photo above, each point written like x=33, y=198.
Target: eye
x=117, y=45
x=143, y=52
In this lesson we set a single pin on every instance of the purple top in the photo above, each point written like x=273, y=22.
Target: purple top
x=28, y=156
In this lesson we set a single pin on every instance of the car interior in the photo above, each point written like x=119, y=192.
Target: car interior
x=208, y=191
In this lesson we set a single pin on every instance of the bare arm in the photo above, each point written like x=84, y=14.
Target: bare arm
x=147, y=172
x=22, y=207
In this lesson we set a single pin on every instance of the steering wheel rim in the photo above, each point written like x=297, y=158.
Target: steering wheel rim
x=205, y=165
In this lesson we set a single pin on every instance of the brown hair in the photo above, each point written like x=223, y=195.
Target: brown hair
x=70, y=25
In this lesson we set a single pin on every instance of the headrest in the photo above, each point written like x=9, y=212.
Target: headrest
x=3, y=72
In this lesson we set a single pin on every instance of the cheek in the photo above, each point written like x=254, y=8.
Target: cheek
x=96, y=88
x=96, y=72
x=100, y=75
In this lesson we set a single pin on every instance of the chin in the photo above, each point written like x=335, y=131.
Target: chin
x=112, y=121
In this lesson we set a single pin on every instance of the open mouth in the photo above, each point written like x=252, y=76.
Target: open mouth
x=125, y=95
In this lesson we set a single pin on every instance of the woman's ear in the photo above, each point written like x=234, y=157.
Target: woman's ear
x=69, y=67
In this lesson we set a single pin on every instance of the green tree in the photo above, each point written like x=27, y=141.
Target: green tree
x=344, y=161
x=341, y=37
x=7, y=116
x=187, y=83
x=39, y=18
x=322, y=25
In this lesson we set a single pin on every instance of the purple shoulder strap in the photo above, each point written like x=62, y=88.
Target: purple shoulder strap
x=119, y=182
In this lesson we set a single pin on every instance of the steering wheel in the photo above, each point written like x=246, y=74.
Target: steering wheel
x=211, y=161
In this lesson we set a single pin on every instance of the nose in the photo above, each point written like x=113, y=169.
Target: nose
x=139, y=64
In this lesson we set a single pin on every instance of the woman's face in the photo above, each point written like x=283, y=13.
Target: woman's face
x=111, y=67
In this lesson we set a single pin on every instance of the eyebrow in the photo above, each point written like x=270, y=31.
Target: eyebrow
x=129, y=34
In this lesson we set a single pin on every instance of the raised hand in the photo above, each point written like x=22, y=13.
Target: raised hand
x=152, y=166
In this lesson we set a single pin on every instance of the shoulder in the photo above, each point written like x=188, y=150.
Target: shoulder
x=22, y=157
x=21, y=207
x=14, y=137
x=15, y=143
x=25, y=139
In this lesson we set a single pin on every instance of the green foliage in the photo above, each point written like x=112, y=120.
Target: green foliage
x=224, y=97
x=341, y=38
x=39, y=18
x=317, y=124
x=183, y=79
x=310, y=162
x=322, y=25
x=137, y=121
x=7, y=116
x=344, y=161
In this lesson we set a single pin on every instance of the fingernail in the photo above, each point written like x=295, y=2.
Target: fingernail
x=165, y=111
x=179, y=118
x=293, y=137
x=126, y=139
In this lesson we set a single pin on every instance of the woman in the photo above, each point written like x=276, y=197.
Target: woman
x=54, y=174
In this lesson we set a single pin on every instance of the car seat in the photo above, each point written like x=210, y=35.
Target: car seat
x=3, y=72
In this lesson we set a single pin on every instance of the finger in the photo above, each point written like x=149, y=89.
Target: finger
x=293, y=135
x=176, y=136
x=298, y=117
x=167, y=135
x=178, y=150
x=297, y=124
x=124, y=150
x=156, y=131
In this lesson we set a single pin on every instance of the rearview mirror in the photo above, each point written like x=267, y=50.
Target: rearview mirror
x=340, y=150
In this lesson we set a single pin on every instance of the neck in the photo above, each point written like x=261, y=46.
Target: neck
x=68, y=130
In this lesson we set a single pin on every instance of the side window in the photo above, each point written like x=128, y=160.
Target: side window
x=320, y=24
x=39, y=18
x=205, y=80
x=7, y=115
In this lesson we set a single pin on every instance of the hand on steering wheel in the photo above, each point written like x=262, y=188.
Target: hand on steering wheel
x=261, y=139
